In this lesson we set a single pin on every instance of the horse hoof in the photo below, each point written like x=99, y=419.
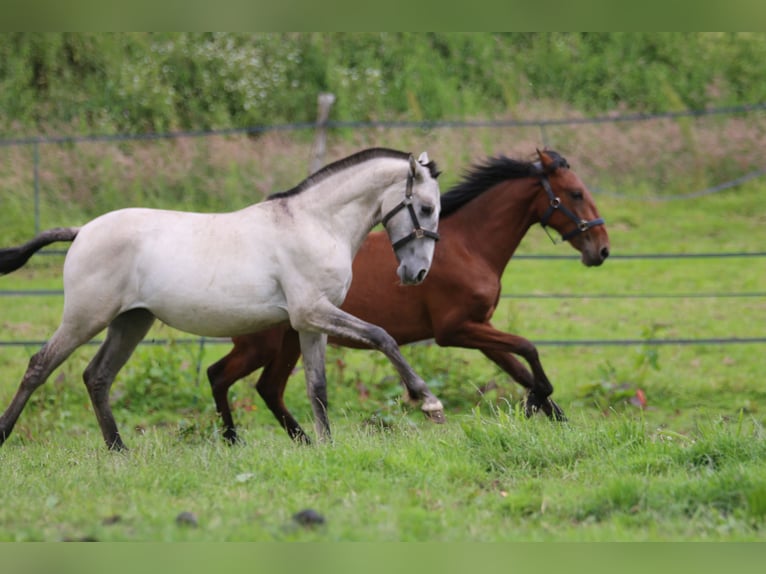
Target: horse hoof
x=434, y=410
x=535, y=405
x=116, y=445
x=436, y=416
x=231, y=437
x=532, y=405
x=301, y=438
x=556, y=413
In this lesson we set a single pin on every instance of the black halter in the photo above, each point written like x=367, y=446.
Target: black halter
x=554, y=204
x=418, y=232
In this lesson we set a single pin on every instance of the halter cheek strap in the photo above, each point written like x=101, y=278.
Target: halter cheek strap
x=417, y=232
x=555, y=204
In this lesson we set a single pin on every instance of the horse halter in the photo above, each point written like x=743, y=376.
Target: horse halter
x=418, y=232
x=554, y=204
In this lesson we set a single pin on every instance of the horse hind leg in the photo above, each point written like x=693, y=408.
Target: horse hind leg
x=277, y=351
x=222, y=375
x=63, y=342
x=273, y=380
x=125, y=332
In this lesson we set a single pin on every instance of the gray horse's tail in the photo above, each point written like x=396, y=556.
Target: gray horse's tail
x=13, y=258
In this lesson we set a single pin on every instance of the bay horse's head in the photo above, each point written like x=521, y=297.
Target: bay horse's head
x=567, y=206
x=412, y=218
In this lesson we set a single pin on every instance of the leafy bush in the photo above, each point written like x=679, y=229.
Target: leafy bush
x=141, y=82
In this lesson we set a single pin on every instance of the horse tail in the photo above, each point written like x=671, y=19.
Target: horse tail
x=12, y=258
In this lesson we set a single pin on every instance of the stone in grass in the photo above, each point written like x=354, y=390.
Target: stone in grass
x=308, y=518
x=186, y=518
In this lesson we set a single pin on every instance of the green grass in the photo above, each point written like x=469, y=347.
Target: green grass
x=498, y=478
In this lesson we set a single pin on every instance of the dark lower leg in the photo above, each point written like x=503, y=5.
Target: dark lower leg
x=535, y=381
x=41, y=365
x=124, y=334
x=273, y=381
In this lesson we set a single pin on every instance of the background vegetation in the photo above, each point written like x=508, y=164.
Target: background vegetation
x=75, y=83
x=664, y=442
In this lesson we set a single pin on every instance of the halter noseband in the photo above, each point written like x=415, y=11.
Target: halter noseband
x=554, y=204
x=418, y=232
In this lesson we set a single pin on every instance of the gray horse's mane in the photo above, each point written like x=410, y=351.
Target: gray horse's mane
x=345, y=163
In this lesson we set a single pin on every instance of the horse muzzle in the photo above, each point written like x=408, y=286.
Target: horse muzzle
x=595, y=257
x=411, y=276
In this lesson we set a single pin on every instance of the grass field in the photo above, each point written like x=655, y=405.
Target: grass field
x=688, y=466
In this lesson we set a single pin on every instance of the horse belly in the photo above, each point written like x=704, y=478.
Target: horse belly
x=220, y=317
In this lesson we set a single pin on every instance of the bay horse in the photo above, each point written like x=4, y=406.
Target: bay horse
x=483, y=219
x=288, y=258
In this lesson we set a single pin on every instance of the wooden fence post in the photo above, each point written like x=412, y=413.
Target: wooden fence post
x=324, y=103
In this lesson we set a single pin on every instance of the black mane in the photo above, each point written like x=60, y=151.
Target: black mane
x=481, y=177
x=341, y=164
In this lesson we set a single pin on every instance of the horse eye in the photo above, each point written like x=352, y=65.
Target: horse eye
x=427, y=209
x=576, y=194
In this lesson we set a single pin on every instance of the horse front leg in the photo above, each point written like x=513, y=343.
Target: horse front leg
x=336, y=322
x=500, y=348
x=313, y=346
x=538, y=395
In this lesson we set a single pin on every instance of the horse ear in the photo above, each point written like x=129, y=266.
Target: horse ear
x=423, y=159
x=545, y=159
x=413, y=166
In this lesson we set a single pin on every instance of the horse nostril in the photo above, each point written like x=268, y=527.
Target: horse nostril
x=604, y=252
x=421, y=275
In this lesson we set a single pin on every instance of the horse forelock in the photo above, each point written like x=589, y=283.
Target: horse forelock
x=345, y=163
x=433, y=169
x=484, y=176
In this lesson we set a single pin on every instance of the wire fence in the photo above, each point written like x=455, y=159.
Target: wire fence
x=81, y=161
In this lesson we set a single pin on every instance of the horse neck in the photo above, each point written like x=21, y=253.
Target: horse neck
x=495, y=222
x=349, y=202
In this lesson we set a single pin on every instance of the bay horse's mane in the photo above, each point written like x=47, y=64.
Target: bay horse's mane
x=484, y=176
x=341, y=164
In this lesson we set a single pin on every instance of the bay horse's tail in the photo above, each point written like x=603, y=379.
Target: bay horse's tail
x=12, y=258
